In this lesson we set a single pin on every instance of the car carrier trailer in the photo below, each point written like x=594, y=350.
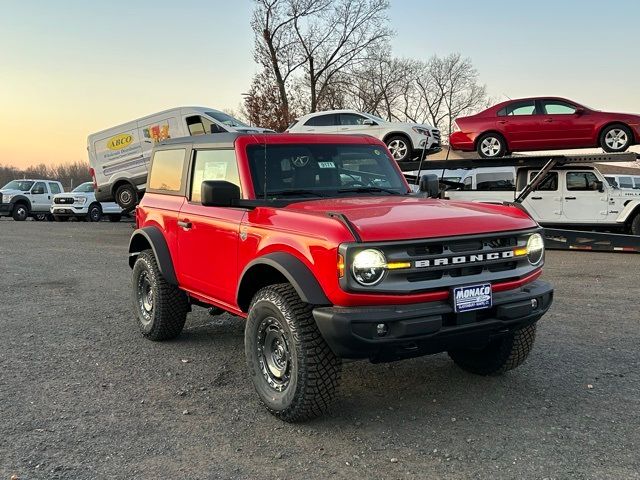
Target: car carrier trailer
x=615, y=229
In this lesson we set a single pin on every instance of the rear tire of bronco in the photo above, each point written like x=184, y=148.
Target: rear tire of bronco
x=161, y=309
x=501, y=355
x=295, y=373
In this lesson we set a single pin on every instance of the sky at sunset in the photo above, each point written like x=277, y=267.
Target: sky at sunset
x=70, y=68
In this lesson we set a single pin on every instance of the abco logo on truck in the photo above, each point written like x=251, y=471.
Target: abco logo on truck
x=119, y=141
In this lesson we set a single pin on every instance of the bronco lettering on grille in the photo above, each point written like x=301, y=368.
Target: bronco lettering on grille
x=479, y=257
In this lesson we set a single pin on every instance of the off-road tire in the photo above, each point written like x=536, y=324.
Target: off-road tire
x=491, y=137
x=314, y=369
x=169, y=304
x=618, y=126
x=94, y=213
x=126, y=197
x=634, y=226
x=20, y=212
x=115, y=218
x=501, y=355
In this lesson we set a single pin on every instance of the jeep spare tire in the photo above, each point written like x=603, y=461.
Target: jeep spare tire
x=294, y=372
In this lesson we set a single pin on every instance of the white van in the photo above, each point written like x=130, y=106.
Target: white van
x=119, y=157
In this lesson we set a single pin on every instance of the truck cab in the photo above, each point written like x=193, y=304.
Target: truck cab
x=319, y=243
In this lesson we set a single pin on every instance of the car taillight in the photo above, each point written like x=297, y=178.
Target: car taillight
x=92, y=172
x=456, y=128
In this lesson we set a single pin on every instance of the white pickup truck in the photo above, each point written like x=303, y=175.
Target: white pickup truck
x=22, y=199
x=81, y=203
x=576, y=196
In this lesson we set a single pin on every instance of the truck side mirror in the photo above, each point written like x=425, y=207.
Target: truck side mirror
x=219, y=193
x=430, y=186
x=600, y=186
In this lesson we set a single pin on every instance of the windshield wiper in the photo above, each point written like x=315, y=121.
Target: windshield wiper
x=294, y=193
x=369, y=190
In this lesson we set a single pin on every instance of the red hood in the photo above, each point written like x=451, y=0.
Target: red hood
x=403, y=218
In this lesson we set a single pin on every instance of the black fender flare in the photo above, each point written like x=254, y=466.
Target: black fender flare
x=146, y=237
x=295, y=271
x=21, y=199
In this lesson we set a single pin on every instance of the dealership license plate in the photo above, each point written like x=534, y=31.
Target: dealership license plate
x=472, y=297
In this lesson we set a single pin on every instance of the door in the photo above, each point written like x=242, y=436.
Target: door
x=520, y=124
x=40, y=197
x=208, y=236
x=582, y=201
x=545, y=204
x=321, y=124
x=564, y=126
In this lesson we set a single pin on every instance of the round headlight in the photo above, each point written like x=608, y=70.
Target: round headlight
x=535, y=248
x=368, y=267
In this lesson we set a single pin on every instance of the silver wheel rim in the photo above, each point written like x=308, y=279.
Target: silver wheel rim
x=398, y=149
x=95, y=214
x=145, y=298
x=490, y=146
x=274, y=355
x=125, y=197
x=22, y=212
x=616, y=138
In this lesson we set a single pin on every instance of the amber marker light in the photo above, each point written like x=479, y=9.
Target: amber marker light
x=519, y=252
x=398, y=265
x=340, y=266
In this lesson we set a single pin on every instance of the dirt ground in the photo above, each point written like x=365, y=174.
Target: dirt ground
x=84, y=396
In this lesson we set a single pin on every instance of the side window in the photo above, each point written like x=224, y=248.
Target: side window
x=351, y=119
x=321, y=121
x=527, y=107
x=495, y=181
x=549, y=185
x=502, y=112
x=167, y=170
x=556, y=107
x=39, y=188
x=55, y=188
x=198, y=125
x=582, y=181
x=213, y=165
x=626, y=182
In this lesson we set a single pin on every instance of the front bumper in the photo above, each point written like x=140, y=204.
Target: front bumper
x=6, y=209
x=461, y=141
x=68, y=210
x=426, y=328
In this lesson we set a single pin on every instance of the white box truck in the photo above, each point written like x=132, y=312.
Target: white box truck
x=119, y=156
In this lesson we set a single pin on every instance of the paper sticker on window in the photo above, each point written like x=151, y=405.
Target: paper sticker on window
x=215, y=171
x=326, y=165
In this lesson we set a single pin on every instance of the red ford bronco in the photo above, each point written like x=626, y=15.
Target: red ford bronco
x=318, y=241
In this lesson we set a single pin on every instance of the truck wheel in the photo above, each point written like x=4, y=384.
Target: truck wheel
x=20, y=212
x=635, y=225
x=295, y=373
x=491, y=145
x=501, y=355
x=115, y=218
x=615, y=138
x=161, y=309
x=95, y=213
x=126, y=196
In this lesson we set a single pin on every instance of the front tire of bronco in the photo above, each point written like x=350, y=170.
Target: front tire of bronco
x=501, y=355
x=161, y=309
x=295, y=373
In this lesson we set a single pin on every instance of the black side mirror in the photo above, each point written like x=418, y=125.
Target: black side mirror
x=579, y=111
x=219, y=193
x=600, y=186
x=430, y=186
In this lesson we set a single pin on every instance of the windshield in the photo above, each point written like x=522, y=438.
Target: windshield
x=317, y=170
x=84, y=188
x=226, y=119
x=22, y=185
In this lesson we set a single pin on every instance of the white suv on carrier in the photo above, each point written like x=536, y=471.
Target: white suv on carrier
x=404, y=140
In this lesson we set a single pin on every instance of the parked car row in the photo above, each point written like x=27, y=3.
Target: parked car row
x=47, y=200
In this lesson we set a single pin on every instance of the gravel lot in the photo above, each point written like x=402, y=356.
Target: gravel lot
x=83, y=395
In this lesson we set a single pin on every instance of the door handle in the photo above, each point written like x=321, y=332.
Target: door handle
x=536, y=198
x=548, y=120
x=570, y=198
x=186, y=224
x=502, y=122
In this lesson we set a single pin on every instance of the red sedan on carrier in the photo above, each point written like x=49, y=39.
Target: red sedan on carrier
x=547, y=123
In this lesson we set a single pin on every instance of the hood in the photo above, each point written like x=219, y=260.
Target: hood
x=411, y=124
x=379, y=219
x=10, y=191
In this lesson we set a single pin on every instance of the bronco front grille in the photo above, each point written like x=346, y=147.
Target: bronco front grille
x=444, y=263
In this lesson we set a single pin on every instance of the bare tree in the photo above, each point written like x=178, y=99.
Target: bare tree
x=69, y=174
